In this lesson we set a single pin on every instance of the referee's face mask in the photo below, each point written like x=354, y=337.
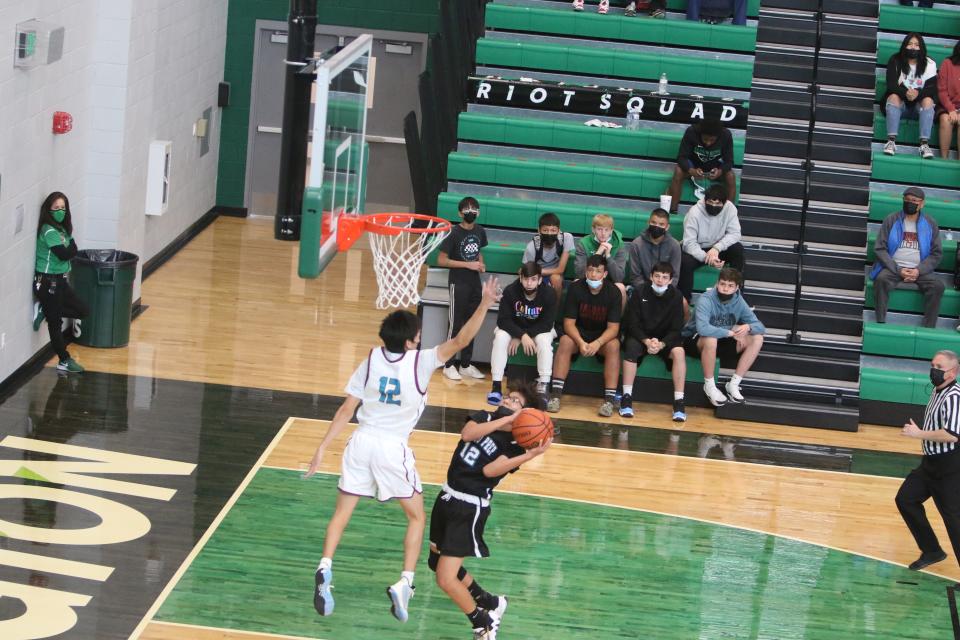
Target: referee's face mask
x=943, y=370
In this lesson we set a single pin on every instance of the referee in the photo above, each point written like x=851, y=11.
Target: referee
x=938, y=475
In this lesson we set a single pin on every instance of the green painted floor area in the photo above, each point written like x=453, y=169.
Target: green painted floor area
x=572, y=571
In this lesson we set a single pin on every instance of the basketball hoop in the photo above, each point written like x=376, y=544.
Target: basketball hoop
x=399, y=250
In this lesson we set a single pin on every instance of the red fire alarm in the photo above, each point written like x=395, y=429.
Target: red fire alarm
x=62, y=122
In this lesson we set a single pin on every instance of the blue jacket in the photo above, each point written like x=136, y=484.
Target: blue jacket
x=891, y=235
x=714, y=319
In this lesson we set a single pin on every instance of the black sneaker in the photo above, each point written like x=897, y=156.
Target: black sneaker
x=679, y=411
x=626, y=406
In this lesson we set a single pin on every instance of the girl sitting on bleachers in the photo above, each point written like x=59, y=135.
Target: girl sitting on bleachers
x=911, y=92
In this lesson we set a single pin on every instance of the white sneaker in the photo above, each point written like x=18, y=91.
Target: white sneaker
x=631, y=10
x=603, y=7
x=714, y=395
x=890, y=148
x=733, y=391
x=400, y=593
x=578, y=5
x=472, y=372
x=925, y=151
x=497, y=614
x=451, y=373
x=490, y=633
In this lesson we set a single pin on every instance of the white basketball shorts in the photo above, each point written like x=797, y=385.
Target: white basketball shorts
x=379, y=467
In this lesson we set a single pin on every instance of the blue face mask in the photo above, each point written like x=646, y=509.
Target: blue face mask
x=594, y=284
x=659, y=290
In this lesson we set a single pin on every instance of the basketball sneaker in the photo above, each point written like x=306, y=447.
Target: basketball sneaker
x=733, y=391
x=497, y=614
x=485, y=633
x=322, y=598
x=714, y=395
x=626, y=406
x=890, y=148
x=472, y=372
x=925, y=151
x=578, y=5
x=400, y=593
x=495, y=398
x=603, y=7
x=631, y=10
x=451, y=373
x=679, y=411
x=553, y=404
x=606, y=409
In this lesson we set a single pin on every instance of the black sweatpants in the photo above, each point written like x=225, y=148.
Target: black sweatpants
x=58, y=301
x=937, y=477
x=732, y=256
x=465, y=295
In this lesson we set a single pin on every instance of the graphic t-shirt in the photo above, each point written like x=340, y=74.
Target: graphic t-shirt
x=593, y=311
x=907, y=255
x=464, y=245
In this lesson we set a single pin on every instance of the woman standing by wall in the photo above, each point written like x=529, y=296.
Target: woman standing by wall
x=55, y=299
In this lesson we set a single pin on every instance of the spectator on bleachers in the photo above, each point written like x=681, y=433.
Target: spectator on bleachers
x=923, y=4
x=656, y=8
x=602, y=8
x=716, y=11
x=525, y=321
x=653, y=246
x=591, y=327
x=705, y=155
x=908, y=250
x=948, y=104
x=911, y=92
x=724, y=326
x=651, y=326
x=550, y=248
x=607, y=242
x=711, y=236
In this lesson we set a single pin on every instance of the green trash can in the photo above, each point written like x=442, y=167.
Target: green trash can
x=103, y=278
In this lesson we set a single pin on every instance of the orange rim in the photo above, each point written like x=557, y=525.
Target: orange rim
x=350, y=227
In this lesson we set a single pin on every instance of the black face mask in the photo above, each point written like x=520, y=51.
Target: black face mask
x=910, y=208
x=724, y=297
x=913, y=54
x=548, y=239
x=656, y=232
x=713, y=209
x=937, y=376
x=469, y=217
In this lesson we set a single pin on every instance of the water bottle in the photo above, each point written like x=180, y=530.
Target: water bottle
x=662, y=88
x=633, y=120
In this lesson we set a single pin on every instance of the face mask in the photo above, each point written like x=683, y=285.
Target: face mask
x=548, y=239
x=658, y=289
x=58, y=214
x=910, y=208
x=469, y=217
x=937, y=376
x=724, y=297
x=713, y=209
x=913, y=54
x=656, y=232
x=594, y=284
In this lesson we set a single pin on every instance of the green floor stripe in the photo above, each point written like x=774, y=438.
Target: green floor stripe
x=572, y=571
x=27, y=474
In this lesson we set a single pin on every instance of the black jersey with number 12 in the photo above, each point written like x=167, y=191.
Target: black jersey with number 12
x=465, y=473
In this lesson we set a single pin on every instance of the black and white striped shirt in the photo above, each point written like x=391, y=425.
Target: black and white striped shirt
x=943, y=412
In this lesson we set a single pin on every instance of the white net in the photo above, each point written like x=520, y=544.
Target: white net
x=397, y=259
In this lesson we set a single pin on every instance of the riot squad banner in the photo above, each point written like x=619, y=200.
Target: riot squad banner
x=601, y=101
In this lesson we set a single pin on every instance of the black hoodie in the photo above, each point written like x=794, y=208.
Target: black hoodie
x=518, y=316
x=651, y=316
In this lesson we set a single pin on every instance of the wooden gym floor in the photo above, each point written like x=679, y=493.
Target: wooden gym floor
x=626, y=528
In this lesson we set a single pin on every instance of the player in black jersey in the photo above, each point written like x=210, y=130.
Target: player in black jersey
x=485, y=455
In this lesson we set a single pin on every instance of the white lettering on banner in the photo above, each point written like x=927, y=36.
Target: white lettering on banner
x=697, y=111
x=635, y=104
x=728, y=114
x=49, y=612
x=510, y=93
x=605, y=101
x=664, y=110
x=483, y=90
x=539, y=91
x=567, y=96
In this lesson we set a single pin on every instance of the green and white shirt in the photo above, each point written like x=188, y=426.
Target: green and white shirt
x=47, y=262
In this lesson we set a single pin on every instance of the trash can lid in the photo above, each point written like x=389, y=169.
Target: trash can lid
x=111, y=258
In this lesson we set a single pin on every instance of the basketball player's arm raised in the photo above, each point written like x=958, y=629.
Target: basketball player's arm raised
x=473, y=430
x=470, y=330
x=504, y=465
x=340, y=420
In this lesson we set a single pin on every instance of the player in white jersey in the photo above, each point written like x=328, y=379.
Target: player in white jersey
x=390, y=390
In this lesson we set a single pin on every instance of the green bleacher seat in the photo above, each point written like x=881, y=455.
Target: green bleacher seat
x=911, y=300
x=566, y=176
x=574, y=218
x=649, y=368
x=930, y=22
x=947, y=263
x=574, y=136
x=613, y=63
x=894, y=386
x=945, y=212
x=886, y=48
x=906, y=341
x=914, y=170
x=562, y=21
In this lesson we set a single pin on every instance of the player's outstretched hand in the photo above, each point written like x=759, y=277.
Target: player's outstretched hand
x=491, y=291
x=314, y=464
x=540, y=449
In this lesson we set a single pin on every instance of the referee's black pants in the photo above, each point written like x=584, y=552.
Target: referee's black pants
x=937, y=477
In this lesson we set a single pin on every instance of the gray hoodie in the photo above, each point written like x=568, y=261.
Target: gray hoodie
x=702, y=232
x=644, y=253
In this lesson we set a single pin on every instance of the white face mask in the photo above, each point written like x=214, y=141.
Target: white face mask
x=659, y=289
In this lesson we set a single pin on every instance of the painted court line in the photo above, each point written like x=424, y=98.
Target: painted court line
x=209, y=532
x=239, y=632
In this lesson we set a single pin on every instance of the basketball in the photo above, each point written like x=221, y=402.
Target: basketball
x=531, y=427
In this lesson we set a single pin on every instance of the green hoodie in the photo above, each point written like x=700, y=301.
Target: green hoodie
x=616, y=263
